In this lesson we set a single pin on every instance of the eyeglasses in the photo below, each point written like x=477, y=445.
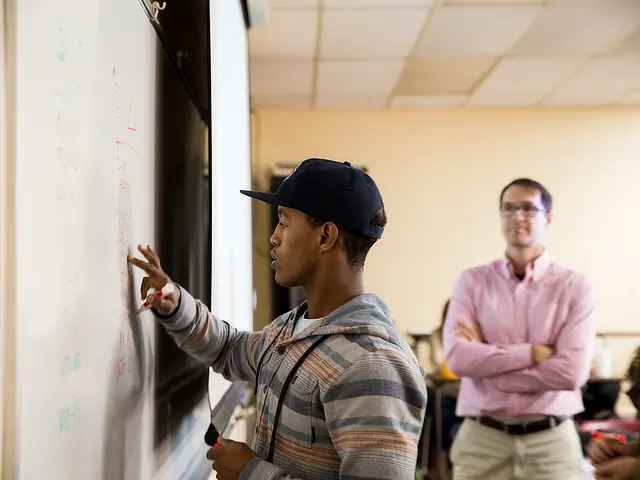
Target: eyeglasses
x=508, y=210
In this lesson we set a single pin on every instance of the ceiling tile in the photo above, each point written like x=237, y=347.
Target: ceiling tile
x=281, y=77
x=475, y=31
x=284, y=102
x=359, y=77
x=628, y=45
x=377, y=3
x=428, y=101
x=370, y=34
x=584, y=27
x=294, y=3
x=288, y=34
x=456, y=75
x=339, y=102
x=601, y=82
x=524, y=81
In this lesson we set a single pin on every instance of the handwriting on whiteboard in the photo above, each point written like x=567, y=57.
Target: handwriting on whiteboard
x=125, y=366
x=70, y=417
x=125, y=226
x=70, y=55
x=68, y=155
x=125, y=153
x=62, y=54
x=71, y=364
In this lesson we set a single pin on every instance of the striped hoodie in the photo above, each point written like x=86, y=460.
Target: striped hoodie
x=355, y=407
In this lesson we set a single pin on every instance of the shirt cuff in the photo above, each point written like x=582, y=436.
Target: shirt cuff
x=182, y=316
x=520, y=356
x=259, y=469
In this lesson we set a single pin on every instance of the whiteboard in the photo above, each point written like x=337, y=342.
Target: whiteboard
x=84, y=196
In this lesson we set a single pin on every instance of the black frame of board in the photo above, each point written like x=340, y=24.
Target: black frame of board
x=184, y=186
x=245, y=14
x=184, y=50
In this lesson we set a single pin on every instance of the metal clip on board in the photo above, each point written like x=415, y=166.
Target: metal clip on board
x=153, y=9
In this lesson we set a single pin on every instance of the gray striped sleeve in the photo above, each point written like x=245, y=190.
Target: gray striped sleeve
x=212, y=341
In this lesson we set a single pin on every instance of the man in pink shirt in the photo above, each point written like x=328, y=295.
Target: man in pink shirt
x=520, y=333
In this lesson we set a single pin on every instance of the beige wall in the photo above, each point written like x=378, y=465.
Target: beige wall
x=440, y=173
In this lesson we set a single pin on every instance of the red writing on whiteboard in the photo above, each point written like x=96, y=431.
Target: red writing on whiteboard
x=125, y=144
x=125, y=340
x=117, y=93
x=124, y=367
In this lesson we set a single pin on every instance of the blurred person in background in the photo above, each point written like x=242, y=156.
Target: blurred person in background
x=615, y=459
x=520, y=333
x=599, y=398
x=449, y=391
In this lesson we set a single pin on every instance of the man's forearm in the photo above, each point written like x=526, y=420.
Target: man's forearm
x=480, y=360
x=214, y=342
x=568, y=369
x=561, y=372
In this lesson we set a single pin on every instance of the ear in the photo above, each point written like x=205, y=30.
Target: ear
x=549, y=216
x=329, y=236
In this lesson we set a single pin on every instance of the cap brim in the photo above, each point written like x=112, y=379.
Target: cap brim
x=265, y=197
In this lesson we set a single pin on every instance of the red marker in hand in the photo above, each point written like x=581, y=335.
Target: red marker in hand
x=168, y=289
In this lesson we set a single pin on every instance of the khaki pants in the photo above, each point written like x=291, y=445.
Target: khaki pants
x=481, y=452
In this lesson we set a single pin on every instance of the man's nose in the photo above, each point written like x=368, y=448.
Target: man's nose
x=519, y=213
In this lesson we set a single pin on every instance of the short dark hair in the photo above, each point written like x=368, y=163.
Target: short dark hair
x=356, y=245
x=545, y=196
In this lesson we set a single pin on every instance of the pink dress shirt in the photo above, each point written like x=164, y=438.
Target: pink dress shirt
x=551, y=306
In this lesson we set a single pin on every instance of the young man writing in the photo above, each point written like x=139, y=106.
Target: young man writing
x=339, y=394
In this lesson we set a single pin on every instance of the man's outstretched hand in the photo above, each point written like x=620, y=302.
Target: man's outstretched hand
x=156, y=278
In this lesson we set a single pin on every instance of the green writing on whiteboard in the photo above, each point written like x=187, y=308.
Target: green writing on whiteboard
x=70, y=417
x=70, y=364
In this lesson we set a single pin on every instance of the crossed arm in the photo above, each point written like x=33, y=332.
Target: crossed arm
x=510, y=368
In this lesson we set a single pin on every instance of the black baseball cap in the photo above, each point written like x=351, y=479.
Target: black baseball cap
x=331, y=191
